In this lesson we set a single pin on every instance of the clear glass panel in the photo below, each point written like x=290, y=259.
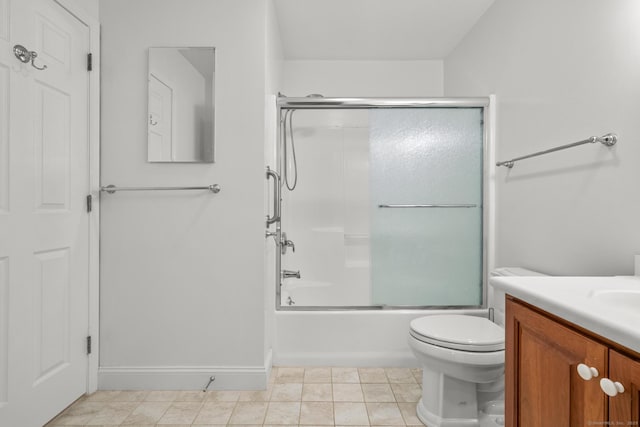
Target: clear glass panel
x=426, y=255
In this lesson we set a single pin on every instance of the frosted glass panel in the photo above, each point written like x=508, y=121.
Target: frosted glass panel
x=426, y=256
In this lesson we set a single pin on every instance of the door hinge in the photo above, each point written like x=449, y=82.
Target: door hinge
x=89, y=344
x=89, y=61
x=89, y=203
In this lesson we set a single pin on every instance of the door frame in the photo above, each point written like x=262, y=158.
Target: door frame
x=74, y=8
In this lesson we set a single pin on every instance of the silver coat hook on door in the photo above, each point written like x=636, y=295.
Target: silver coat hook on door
x=25, y=55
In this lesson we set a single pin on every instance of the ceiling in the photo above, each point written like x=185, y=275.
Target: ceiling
x=375, y=29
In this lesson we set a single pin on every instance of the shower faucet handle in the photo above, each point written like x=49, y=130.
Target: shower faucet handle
x=286, y=243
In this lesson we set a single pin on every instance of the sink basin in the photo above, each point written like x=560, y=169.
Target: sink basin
x=622, y=299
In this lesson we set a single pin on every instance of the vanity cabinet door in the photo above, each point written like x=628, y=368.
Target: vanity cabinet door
x=543, y=387
x=624, y=408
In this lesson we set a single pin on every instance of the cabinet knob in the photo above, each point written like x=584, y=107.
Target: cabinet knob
x=587, y=372
x=611, y=388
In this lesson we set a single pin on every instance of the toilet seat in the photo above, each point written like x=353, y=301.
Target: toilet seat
x=459, y=332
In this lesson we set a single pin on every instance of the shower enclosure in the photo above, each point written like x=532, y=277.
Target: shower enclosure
x=378, y=203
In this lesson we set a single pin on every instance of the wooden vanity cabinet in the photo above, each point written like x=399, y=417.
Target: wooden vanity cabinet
x=624, y=409
x=542, y=386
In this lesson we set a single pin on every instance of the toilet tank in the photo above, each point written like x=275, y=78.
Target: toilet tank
x=497, y=297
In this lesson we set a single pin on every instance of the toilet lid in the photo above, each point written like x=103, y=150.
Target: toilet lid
x=459, y=332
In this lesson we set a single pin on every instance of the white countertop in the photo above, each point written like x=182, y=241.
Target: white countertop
x=577, y=299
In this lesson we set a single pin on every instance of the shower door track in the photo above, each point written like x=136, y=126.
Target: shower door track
x=318, y=103
x=287, y=103
x=376, y=307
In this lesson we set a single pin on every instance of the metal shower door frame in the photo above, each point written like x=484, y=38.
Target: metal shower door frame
x=284, y=103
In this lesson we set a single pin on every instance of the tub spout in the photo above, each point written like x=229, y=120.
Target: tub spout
x=288, y=274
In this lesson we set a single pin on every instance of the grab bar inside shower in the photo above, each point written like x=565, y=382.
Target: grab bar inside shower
x=276, y=196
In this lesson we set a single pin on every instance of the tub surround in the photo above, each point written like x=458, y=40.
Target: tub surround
x=598, y=304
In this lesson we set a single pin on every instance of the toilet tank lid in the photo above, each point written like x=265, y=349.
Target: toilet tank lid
x=460, y=331
x=515, y=271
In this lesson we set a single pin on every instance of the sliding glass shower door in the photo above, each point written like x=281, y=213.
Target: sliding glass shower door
x=388, y=206
x=426, y=206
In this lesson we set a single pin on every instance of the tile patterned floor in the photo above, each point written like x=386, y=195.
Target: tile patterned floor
x=295, y=397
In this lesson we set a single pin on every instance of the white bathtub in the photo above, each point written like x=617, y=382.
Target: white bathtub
x=307, y=293
x=360, y=338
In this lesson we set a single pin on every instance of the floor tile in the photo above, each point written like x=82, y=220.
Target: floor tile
x=290, y=375
x=347, y=393
x=317, y=375
x=181, y=413
x=290, y=392
x=79, y=413
x=161, y=396
x=223, y=396
x=408, y=411
x=249, y=413
x=372, y=375
x=191, y=396
x=256, y=395
x=384, y=414
x=345, y=375
x=214, y=413
x=147, y=413
x=283, y=413
x=130, y=396
x=417, y=374
x=102, y=396
x=112, y=413
x=350, y=414
x=273, y=374
x=308, y=397
x=378, y=393
x=316, y=413
x=407, y=392
x=400, y=375
x=317, y=393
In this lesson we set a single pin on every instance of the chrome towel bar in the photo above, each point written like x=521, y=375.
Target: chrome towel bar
x=110, y=189
x=430, y=206
x=608, y=140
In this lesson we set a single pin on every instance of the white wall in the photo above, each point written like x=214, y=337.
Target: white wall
x=562, y=71
x=182, y=293
x=273, y=82
x=363, y=78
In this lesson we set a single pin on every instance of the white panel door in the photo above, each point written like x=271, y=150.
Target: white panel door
x=44, y=173
x=160, y=127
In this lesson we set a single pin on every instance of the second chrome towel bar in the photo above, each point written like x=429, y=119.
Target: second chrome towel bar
x=608, y=140
x=430, y=206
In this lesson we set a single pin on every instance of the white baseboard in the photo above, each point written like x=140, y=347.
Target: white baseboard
x=344, y=359
x=185, y=377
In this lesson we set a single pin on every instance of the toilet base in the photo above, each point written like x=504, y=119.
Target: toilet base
x=447, y=401
x=432, y=420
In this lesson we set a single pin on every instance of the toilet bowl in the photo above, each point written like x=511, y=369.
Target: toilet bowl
x=462, y=360
x=457, y=353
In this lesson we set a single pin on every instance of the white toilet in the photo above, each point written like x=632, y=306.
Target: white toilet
x=462, y=359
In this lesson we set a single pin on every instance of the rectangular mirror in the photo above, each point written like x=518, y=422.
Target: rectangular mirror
x=180, y=119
